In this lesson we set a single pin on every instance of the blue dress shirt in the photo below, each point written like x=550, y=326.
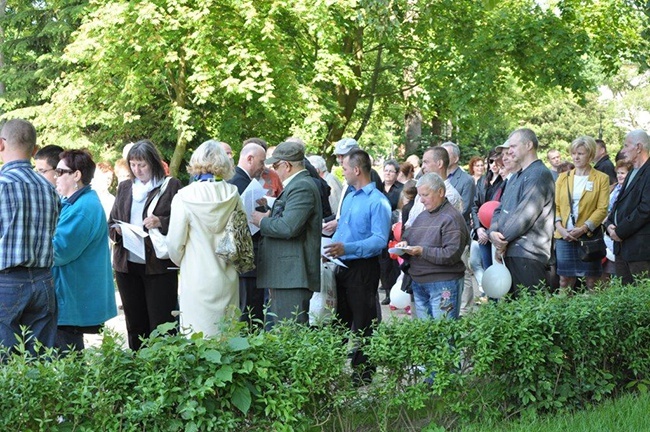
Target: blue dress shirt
x=364, y=224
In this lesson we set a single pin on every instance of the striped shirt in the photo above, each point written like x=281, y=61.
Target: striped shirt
x=29, y=211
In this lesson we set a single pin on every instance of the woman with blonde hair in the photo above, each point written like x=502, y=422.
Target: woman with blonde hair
x=209, y=284
x=581, y=200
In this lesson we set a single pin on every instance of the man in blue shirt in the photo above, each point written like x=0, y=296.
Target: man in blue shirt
x=361, y=235
x=28, y=218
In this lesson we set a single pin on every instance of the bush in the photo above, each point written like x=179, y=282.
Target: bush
x=536, y=355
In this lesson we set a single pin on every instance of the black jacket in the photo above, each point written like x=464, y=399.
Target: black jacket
x=631, y=215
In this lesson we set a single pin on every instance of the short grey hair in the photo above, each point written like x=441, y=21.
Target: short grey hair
x=639, y=136
x=453, y=147
x=211, y=158
x=433, y=181
x=318, y=162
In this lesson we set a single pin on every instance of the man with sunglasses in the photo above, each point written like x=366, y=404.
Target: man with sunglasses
x=289, y=251
x=46, y=160
x=28, y=218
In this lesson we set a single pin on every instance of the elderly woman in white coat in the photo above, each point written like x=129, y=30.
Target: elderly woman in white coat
x=209, y=286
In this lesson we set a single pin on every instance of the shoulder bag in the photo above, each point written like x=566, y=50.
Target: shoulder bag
x=158, y=240
x=236, y=245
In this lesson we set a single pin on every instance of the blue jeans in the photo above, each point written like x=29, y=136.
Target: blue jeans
x=27, y=298
x=438, y=300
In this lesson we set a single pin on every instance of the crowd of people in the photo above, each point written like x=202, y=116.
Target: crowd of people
x=261, y=261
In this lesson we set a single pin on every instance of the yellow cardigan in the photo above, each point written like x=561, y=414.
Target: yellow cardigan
x=593, y=204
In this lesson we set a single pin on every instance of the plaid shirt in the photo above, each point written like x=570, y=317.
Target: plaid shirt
x=29, y=211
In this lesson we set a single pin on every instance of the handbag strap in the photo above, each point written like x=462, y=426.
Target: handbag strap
x=154, y=201
x=568, y=191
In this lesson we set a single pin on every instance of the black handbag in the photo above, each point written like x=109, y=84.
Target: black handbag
x=591, y=245
x=592, y=248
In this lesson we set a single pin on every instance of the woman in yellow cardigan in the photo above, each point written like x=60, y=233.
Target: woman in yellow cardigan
x=581, y=199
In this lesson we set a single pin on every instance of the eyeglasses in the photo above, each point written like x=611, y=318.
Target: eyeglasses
x=43, y=171
x=278, y=163
x=61, y=171
x=389, y=172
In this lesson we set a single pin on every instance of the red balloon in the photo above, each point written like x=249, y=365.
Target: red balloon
x=486, y=212
x=397, y=231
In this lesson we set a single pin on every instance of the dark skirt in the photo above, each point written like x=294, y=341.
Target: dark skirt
x=569, y=263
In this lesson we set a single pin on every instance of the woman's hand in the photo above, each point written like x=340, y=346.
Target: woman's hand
x=566, y=234
x=152, y=222
x=482, y=236
x=578, y=232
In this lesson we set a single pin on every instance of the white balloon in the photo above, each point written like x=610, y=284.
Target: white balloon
x=496, y=281
x=399, y=298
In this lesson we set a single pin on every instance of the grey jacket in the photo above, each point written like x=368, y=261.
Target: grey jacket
x=289, y=253
x=527, y=213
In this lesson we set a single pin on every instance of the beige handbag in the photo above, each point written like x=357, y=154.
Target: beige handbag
x=236, y=246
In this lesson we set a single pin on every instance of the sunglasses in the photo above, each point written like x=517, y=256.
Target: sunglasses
x=61, y=171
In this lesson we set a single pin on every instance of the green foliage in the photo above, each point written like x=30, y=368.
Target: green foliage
x=101, y=73
x=538, y=355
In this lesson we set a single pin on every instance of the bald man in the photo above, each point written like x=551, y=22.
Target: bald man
x=249, y=167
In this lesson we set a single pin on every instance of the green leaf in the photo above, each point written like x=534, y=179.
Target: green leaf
x=224, y=374
x=213, y=356
x=238, y=343
x=241, y=398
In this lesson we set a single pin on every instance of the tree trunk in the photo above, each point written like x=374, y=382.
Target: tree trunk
x=413, y=130
x=346, y=98
x=182, y=128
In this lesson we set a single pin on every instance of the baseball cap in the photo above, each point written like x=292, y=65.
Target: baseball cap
x=345, y=146
x=505, y=145
x=287, y=151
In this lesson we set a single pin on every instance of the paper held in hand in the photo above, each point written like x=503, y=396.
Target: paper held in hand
x=133, y=238
x=324, y=241
x=249, y=198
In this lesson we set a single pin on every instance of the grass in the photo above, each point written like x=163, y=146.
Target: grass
x=628, y=413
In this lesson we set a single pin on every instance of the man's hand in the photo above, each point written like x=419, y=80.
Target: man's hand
x=330, y=226
x=498, y=240
x=611, y=230
x=335, y=250
x=256, y=217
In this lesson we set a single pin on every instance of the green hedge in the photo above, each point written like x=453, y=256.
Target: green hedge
x=539, y=354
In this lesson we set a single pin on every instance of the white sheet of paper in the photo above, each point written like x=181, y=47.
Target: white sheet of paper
x=324, y=241
x=249, y=198
x=133, y=238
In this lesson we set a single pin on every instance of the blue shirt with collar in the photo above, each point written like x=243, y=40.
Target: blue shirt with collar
x=364, y=225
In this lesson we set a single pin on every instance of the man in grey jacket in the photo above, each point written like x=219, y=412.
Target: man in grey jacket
x=522, y=226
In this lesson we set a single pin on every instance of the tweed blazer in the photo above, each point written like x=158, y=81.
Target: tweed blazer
x=631, y=215
x=592, y=207
x=289, y=253
x=122, y=212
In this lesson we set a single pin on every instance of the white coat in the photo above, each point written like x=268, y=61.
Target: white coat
x=209, y=287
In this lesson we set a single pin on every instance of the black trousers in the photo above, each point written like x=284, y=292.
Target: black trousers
x=356, y=297
x=148, y=301
x=626, y=270
x=527, y=272
x=388, y=271
x=251, y=301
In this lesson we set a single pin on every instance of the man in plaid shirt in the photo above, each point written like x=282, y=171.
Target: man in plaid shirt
x=29, y=209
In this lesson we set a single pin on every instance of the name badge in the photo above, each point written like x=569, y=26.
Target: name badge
x=590, y=186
